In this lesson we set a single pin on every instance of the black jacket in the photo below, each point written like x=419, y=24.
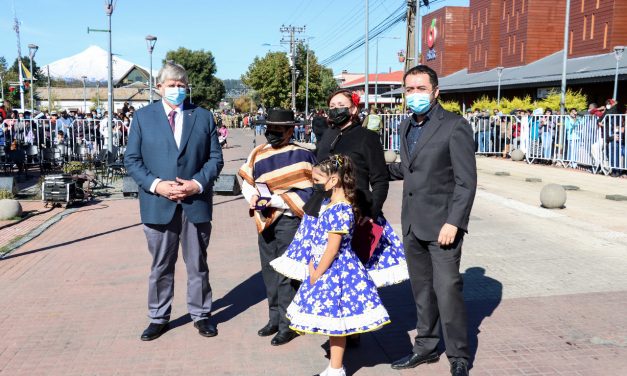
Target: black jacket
x=366, y=152
x=440, y=176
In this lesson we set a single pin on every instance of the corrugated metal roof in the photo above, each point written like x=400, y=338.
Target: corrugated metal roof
x=546, y=70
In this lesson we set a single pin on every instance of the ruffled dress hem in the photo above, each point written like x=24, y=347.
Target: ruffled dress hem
x=337, y=326
x=391, y=275
x=290, y=268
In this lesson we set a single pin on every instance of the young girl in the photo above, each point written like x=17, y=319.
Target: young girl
x=337, y=297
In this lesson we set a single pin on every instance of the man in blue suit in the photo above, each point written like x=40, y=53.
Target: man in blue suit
x=174, y=156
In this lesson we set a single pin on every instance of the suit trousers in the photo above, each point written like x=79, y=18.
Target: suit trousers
x=163, y=244
x=280, y=290
x=437, y=287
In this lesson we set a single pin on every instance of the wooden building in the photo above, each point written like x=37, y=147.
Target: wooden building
x=530, y=30
x=596, y=26
x=444, y=39
x=484, y=35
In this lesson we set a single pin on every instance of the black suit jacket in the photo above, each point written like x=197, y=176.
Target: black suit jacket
x=440, y=176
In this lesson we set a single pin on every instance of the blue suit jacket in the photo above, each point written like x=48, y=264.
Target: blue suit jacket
x=152, y=153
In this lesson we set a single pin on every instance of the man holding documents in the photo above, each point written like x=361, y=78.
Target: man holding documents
x=277, y=183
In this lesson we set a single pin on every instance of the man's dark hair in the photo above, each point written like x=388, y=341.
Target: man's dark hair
x=423, y=69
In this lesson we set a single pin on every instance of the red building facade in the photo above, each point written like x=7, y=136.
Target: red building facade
x=444, y=39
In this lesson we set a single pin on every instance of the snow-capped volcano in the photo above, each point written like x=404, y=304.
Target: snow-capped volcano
x=92, y=63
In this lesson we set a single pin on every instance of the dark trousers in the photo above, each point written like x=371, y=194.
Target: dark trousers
x=280, y=290
x=163, y=244
x=437, y=287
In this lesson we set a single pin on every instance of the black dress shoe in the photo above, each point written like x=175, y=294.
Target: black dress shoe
x=459, y=368
x=413, y=360
x=283, y=337
x=153, y=331
x=268, y=330
x=206, y=328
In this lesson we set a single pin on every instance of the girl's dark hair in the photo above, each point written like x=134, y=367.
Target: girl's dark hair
x=348, y=94
x=343, y=166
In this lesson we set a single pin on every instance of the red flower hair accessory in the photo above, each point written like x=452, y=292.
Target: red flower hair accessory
x=355, y=98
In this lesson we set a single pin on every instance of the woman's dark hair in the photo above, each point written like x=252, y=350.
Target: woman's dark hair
x=348, y=94
x=343, y=166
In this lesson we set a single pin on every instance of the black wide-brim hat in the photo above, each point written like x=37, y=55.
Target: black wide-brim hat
x=280, y=116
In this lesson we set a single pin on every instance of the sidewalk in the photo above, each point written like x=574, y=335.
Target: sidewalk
x=546, y=295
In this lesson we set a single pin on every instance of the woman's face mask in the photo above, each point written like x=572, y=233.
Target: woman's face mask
x=339, y=116
x=275, y=138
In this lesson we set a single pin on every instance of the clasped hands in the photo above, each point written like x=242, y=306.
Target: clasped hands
x=178, y=189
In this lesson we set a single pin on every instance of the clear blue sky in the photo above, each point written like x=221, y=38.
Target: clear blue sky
x=233, y=31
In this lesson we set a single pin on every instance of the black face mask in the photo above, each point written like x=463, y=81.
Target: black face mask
x=275, y=138
x=339, y=116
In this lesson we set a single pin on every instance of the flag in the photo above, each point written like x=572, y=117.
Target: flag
x=27, y=74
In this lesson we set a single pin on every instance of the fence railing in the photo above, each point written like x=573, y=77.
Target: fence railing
x=581, y=141
x=40, y=141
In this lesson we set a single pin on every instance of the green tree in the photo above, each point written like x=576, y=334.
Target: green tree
x=270, y=77
x=207, y=90
x=244, y=104
x=321, y=81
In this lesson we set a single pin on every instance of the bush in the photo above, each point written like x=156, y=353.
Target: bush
x=509, y=105
x=484, y=103
x=451, y=106
x=4, y=194
x=576, y=100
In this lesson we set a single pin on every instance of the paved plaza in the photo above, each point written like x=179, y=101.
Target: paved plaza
x=546, y=290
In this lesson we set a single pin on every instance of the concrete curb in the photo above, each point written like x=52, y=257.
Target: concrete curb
x=36, y=232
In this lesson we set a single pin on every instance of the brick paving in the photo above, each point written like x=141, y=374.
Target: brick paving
x=17, y=230
x=546, y=294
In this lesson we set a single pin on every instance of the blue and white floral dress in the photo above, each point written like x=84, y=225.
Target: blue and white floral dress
x=344, y=300
x=386, y=267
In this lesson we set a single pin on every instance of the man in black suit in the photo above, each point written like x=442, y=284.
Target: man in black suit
x=440, y=179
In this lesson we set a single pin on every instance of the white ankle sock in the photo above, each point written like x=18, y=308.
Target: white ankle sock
x=335, y=371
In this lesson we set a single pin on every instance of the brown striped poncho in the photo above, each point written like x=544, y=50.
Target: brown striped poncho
x=287, y=172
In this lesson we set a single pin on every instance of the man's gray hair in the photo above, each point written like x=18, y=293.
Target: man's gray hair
x=172, y=71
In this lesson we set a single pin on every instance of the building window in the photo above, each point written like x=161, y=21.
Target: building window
x=592, y=27
x=504, y=9
x=469, y=60
x=513, y=5
x=517, y=20
x=585, y=26
x=523, y=7
x=570, y=43
x=485, y=59
x=509, y=45
x=501, y=59
x=522, y=52
x=605, y=37
x=486, y=16
x=508, y=22
x=583, y=4
x=514, y=45
x=598, y=3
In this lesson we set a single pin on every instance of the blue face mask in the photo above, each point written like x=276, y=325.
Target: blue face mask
x=419, y=103
x=175, y=95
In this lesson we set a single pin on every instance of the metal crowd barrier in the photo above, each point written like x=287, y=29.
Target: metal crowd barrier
x=40, y=141
x=584, y=141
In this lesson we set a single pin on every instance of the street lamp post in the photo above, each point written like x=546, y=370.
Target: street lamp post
x=32, y=49
x=2, y=88
x=109, y=12
x=84, y=94
x=565, y=59
x=150, y=43
x=376, y=68
x=307, y=82
x=499, y=72
x=618, y=54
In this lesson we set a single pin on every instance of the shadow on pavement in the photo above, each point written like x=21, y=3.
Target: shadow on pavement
x=239, y=299
x=491, y=292
x=393, y=342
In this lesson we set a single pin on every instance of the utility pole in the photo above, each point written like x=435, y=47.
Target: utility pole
x=293, y=42
x=410, y=46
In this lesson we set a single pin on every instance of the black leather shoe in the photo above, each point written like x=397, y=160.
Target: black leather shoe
x=413, y=360
x=283, y=337
x=153, y=331
x=268, y=330
x=206, y=328
x=459, y=368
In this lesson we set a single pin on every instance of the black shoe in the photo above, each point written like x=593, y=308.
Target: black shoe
x=153, y=331
x=268, y=330
x=283, y=337
x=206, y=328
x=459, y=368
x=413, y=360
